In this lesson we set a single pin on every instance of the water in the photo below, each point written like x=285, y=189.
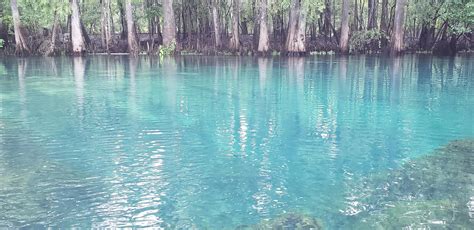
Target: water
x=223, y=142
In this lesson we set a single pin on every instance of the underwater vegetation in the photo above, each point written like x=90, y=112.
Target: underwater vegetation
x=285, y=222
x=431, y=192
x=30, y=192
x=435, y=191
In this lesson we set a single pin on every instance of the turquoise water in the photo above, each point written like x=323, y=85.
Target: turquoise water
x=221, y=142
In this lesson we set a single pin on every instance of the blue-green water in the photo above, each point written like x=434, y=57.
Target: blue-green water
x=217, y=143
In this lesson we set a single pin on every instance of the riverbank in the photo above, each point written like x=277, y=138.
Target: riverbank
x=40, y=46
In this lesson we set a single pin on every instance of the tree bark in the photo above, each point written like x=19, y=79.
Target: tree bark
x=123, y=22
x=256, y=9
x=355, y=22
x=384, y=16
x=133, y=47
x=53, y=50
x=372, y=14
x=263, y=38
x=216, y=24
x=296, y=37
x=344, y=39
x=87, y=39
x=169, y=28
x=77, y=38
x=426, y=39
x=106, y=25
x=21, y=46
x=326, y=29
x=235, y=40
x=398, y=30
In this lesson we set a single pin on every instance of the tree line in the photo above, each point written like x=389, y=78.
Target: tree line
x=264, y=27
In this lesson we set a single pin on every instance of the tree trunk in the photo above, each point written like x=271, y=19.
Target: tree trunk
x=426, y=39
x=3, y=33
x=361, y=14
x=372, y=14
x=296, y=37
x=235, y=41
x=383, y=17
x=21, y=46
x=256, y=9
x=123, y=22
x=216, y=23
x=106, y=25
x=355, y=22
x=398, y=30
x=53, y=50
x=77, y=38
x=169, y=28
x=263, y=38
x=133, y=47
x=326, y=29
x=244, y=26
x=87, y=39
x=344, y=40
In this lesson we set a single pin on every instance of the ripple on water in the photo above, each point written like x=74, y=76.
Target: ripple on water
x=333, y=141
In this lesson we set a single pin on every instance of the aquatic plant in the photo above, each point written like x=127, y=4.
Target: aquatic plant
x=287, y=221
x=431, y=191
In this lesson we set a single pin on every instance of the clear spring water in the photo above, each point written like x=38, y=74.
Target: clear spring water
x=217, y=142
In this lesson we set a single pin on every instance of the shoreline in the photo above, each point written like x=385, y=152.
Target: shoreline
x=224, y=54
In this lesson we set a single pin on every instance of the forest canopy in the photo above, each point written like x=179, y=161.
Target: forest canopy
x=290, y=27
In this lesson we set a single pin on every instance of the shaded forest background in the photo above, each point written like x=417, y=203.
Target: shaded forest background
x=242, y=27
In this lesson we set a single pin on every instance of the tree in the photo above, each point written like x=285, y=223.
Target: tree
x=296, y=37
x=383, y=16
x=372, y=14
x=235, y=40
x=326, y=24
x=264, y=40
x=169, y=28
x=216, y=23
x=21, y=46
x=53, y=49
x=123, y=21
x=344, y=39
x=133, y=47
x=106, y=28
x=371, y=25
x=398, y=30
x=77, y=38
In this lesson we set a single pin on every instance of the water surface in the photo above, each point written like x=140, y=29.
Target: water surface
x=223, y=142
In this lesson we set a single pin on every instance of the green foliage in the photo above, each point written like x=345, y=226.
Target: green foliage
x=366, y=41
x=1, y=43
x=167, y=50
x=91, y=16
x=38, y=14
x=460, y=15
x=314, y=8
x=153, y=11
x=5, y=13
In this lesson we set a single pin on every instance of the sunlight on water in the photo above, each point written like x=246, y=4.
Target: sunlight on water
x=227, y=142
